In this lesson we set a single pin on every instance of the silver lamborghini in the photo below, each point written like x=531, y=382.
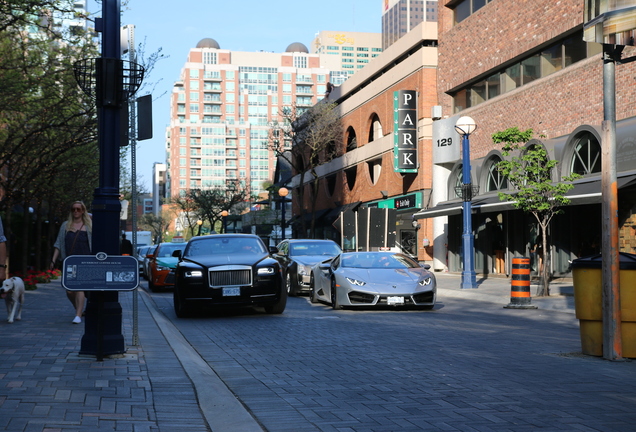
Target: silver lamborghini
x=363, y=279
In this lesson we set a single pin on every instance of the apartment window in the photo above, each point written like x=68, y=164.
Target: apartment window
x=332, y=47
x=194, y=108
x=494, y=85
x=194, y=84
x=562, y=54
x=194, y=73
x=194, y=96
x=229, y=75
x=465, y=8
x=531, y=69
x=551, y=60
x=300, y=61
x=209, y=58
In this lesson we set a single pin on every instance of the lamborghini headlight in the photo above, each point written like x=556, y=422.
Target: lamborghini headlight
x=425, y=281
x=356, y=282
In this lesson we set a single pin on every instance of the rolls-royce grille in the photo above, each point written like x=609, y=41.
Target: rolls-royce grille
x=223, y=278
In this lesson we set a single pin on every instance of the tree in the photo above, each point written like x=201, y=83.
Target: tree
x=529, y=172
x=209, y=203
x=157, y=225
x=305, y=138
x=48, y=150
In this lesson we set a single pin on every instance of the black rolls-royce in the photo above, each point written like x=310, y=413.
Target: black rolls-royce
x=228, y=270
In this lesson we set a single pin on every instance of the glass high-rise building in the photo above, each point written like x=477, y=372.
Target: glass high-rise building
x=401, y=16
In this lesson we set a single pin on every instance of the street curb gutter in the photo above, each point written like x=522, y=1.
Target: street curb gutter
x=222, y=410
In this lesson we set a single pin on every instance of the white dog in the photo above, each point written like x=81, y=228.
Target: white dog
x=12, y=291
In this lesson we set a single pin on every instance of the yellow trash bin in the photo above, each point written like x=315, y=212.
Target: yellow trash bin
x=588, y=303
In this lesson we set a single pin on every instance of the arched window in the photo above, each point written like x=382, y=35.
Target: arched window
x=586, y=155
x=352, y=142
x=455, y=183
x=331, y=184
x=495, y=180
x=375, y=131
x=351, y=174
x=375, y=169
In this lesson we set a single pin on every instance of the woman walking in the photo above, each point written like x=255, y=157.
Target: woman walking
x=74, y=238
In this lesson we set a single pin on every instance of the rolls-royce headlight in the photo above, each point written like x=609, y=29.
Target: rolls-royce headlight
x=426, y=281
x=356, y=282
x=194, y=274
x=266, y=271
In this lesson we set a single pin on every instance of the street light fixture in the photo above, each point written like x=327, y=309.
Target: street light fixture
x=199, y=222
x=283, y=192
x=465, y=126
x=224, y=214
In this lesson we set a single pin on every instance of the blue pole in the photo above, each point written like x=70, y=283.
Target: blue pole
x=469, y=278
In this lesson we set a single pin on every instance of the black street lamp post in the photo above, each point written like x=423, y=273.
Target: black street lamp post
x=282, y=192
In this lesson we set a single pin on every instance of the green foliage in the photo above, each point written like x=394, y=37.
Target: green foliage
x=529, y=172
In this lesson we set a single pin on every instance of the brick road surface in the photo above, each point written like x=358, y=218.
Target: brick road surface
x=468, y=365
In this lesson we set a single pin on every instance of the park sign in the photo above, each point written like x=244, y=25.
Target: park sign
x=610, y=22
x=100, y=272
x=405, y=131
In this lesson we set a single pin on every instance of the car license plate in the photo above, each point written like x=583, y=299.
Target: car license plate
x=229, y=292
x=395, y=300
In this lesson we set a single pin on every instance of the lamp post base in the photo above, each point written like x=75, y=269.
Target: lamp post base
x=469, y=280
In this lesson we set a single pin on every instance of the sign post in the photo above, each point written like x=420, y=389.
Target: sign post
x=101, y=274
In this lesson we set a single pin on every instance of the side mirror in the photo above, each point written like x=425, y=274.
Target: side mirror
x=426, y=266
x=273, y=250
x=176, y=253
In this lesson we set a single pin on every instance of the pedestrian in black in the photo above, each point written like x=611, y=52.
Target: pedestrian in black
x=126, y=246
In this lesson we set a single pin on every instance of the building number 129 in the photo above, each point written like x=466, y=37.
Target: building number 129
x=444, y=142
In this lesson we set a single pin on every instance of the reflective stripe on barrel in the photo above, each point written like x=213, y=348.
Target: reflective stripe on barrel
x=520, y=281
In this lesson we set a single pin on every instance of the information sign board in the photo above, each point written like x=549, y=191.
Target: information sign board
x=100, y=272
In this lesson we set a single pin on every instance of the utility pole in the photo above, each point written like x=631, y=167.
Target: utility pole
x=612, y=340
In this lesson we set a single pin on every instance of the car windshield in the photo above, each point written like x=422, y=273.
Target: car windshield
x=377, y=260
x=314, y=248
x=226, y=245
x=166, y=250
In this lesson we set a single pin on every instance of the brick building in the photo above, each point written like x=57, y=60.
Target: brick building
x=364, y=173
x=507, y=63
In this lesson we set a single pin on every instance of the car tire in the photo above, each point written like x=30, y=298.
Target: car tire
x=278, y=307
x=291, y=290
x=334, y=296
x=312, y=290
x=181, y=308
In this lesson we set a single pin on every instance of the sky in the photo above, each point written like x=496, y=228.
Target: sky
x=238, y=25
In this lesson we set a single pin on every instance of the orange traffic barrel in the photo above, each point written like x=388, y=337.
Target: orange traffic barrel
x=520, y=285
